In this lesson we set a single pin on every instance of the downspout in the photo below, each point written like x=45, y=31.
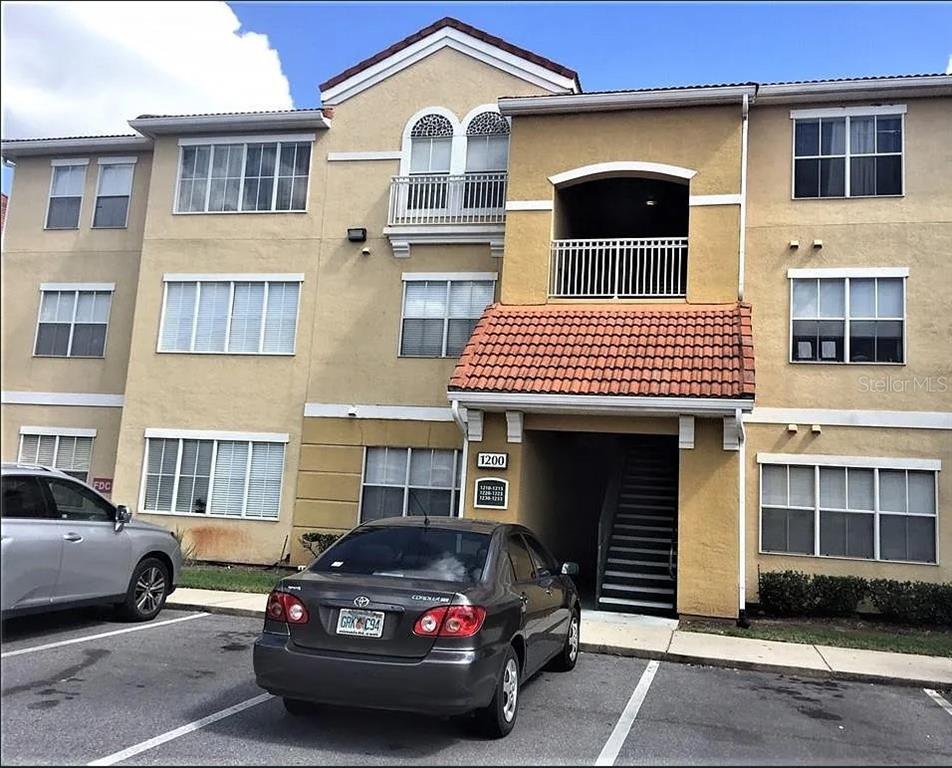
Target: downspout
x=741, y=522
x=742, y=250
x=461, y=423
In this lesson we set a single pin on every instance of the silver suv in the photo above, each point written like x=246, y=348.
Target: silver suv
x=64, y=545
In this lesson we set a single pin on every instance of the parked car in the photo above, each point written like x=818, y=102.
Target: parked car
x=435, y=615
x=64, y=545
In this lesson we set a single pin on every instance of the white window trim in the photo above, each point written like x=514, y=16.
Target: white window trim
x=455, y=491
x=215, y=437
x=846, y=275
x=103, y=161
x=846, y=112
x=231, y=279
x=69, y=162
x=67, y=288
x=235, y=277
x=245, y=140
x=815, y=462
x=58, y=432
x=458, y=143
x=448, y=278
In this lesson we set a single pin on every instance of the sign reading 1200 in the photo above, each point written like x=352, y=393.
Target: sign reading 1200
x=492, y=460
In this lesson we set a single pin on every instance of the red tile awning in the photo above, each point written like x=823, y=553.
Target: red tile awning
x=703, y=351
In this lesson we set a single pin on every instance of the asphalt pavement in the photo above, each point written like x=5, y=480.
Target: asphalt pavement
x=80, y=688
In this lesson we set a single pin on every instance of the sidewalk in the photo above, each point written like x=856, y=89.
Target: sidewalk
x=656, y=638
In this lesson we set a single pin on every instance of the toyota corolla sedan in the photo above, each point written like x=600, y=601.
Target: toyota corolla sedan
x=438, y=615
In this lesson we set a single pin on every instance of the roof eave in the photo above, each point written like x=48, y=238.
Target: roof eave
x=603, y=102
x=11, y=150
x=856, y=90
x=607, y=405
x=158, y=126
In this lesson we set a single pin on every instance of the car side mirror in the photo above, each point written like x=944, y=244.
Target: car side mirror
x=570, y=569
x=123, y=516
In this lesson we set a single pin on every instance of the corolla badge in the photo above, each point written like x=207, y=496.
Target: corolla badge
x=361, y=601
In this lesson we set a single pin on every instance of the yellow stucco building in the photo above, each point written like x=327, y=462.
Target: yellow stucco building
x=685, y=334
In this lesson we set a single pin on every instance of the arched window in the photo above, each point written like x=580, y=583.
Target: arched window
x=431, y=145
x=487, y=157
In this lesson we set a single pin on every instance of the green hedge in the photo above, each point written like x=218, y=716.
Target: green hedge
x=794, y=593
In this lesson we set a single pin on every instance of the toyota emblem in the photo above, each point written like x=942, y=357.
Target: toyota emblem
x=361, y=601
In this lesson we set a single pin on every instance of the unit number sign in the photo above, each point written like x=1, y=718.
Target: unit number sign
x=492, y=493
x=492, y=460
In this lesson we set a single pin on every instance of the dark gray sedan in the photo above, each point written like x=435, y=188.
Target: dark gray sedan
x=434, y=615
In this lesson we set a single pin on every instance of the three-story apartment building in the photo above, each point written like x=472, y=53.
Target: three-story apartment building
x=464, y=286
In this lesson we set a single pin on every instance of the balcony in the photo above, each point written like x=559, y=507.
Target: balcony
x=619, y=268
x=440, y=208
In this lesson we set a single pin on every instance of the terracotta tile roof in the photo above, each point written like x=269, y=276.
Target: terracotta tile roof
x=235, y=114
x=681, y=351
x=448, y=21
x=72, y=138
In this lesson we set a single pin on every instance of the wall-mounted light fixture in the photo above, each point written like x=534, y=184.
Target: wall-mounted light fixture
x=817, y=243
x=794, y=244
x=793, y=428
x=357, y=234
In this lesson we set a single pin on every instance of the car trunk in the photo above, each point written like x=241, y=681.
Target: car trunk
x=401, y=601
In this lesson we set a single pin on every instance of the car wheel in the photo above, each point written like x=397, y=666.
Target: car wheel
x=498, y=719
x=568, y=656
x=148, y=588
x=297, y=707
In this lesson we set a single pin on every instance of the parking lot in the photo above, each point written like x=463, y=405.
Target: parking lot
x=81, y=688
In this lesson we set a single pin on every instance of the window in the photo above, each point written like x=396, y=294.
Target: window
x=410, y=481
x=439, y=314
x=855, y=510
x=66, y=194
x=113, y=190
x=233, y=177
x=431, y=147
x=541, y=560
x=520, y=558
x=74, y=502
x=848, y=319
x=487, y=157
x=215, y=477
x=72, y=322
x=22, y=498
x=854, y=155
x=70, y=453
x=256, y=317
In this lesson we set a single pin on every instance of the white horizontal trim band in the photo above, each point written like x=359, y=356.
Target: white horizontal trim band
x=249, y=138
x=697, y=200
x=835, y=272
x=835, y=418
x=867, y=462
x=126, y=160
x=361, y=411
x=60, y=431
x=212, y=434
x=611, y=404
x=409, y=277
x=77, y=286
x=529, y=205
x=57, y=161
x=384, y=154
x=241, y=277
x=884, y=109
x=622, y=166
x=9, y=397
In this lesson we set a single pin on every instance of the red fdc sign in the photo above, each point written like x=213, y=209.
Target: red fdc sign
x=102, y=484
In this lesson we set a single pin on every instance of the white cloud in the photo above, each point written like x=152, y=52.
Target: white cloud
x=948, y=67
x=88, y=67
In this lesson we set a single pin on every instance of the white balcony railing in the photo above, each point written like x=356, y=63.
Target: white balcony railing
x=623, y=268
x=471, y=198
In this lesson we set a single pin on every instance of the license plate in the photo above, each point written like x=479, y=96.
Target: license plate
x=360, y=623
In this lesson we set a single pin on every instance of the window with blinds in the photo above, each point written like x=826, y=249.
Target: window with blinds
x=68, y=453
x=230, y=316
x=439, y=315
x=410, y=481
x=225, y=478
x=72, y=323
x=864, y=512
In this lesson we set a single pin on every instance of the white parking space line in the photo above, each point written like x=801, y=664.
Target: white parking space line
x=143, y=746
x=939, y=699
x=74, y=640
x=623, y=726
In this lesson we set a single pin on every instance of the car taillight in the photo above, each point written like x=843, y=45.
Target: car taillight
x=287, y=608
x=450, y=621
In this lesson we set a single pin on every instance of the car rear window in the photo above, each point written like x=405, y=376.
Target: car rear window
x=438, y=554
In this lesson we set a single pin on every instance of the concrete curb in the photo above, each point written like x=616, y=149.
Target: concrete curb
x=639, y=653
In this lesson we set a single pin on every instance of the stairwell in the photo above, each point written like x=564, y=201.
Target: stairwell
x=638, y=564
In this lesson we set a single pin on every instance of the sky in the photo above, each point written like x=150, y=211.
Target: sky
x=80, y=68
